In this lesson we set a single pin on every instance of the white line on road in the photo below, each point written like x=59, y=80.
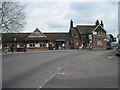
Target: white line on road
x=61, y=73
x=59, y=68
x=40, y=87
x=110, y=57
x=47, y=80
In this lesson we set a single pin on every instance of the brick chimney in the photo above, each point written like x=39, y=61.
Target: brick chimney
x=102, y=23
x=71, y=23
x=97, y=23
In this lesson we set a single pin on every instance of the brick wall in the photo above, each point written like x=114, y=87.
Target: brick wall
x=76, y=44
x=96, y=39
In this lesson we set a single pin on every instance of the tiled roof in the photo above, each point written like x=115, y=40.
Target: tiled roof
x=18, y=36
x=24, y=36
x=58, y=36
x=74, y=30
x=83, y=29
x=99, y=27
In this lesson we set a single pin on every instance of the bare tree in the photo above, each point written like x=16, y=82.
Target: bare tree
x=12, y=17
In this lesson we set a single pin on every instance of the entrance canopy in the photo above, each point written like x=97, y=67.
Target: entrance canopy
x=60, y=40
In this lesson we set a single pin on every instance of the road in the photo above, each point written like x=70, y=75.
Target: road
x=65, y=68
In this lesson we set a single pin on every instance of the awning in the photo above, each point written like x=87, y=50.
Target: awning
x=60, y=40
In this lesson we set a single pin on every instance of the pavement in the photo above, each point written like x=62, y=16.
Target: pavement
x=35, y=51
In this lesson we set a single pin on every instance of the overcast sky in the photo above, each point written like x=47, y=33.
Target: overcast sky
x=55, y=16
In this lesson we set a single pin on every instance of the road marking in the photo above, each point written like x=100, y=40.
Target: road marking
x=59, y=68
x=110, y=57
x=47, y=80
x=40, y=87
x=61, y=73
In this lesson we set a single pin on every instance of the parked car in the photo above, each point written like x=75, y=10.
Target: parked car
x=20, y=49
x=118, y=50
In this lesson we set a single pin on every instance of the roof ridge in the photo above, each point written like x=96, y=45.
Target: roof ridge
x=87, y=25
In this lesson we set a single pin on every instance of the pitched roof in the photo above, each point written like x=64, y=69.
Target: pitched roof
x=24, y=36
x=99, y=26
x=18, y=36
x=74, y=30
x=37, y=33
x=58, y=36
x=83, y=29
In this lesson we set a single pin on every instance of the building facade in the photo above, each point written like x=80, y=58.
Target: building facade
x=81, y=36
x=89, y=36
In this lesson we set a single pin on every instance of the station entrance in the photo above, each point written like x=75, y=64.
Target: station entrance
x=60, y=44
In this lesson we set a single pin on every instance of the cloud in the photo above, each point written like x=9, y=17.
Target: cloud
x=94, y=10
x=89, y=12
x=46, y=15
x=63, y=0
x=55, y=16
x=55, y=25
x=119, y=17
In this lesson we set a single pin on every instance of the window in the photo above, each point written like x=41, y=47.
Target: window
x=37, y=44
x=99, y=33
x=42, y=44
x=32, y=45
x=77, y=43
x=76, y=36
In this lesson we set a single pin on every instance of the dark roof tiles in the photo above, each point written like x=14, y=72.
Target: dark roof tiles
x=83, y=29
x=57, y=36
x=24, y=36
x=74, y=30
x=18, y=36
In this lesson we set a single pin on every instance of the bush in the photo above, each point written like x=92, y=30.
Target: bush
x=109, y=48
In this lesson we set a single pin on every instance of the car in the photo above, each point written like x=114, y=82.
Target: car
x=20, y=49
x=118, y=50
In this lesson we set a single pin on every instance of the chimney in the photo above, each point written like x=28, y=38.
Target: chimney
x=102, y=23
x=97, y=23
x=71, y=23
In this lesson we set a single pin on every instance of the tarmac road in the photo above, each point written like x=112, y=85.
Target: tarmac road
x=60, y=69
x=94, y=69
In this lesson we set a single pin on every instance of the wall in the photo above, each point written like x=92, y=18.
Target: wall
x=76, y=44
x=102, y=39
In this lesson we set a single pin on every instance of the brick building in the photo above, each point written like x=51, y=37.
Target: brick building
x=37, y=40
x=81, y=36
x=88, y=36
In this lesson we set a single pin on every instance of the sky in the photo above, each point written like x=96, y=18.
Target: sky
x=119, y=17
x=55, y=16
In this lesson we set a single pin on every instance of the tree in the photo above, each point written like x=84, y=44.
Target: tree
x=12, y=17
